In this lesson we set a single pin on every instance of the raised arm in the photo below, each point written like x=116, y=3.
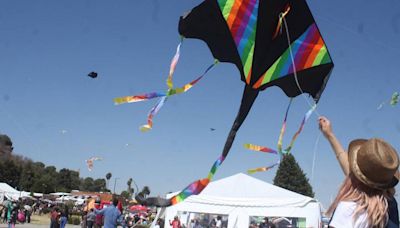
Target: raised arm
x=326, y=128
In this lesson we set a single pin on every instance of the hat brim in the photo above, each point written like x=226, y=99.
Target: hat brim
x=354, y=147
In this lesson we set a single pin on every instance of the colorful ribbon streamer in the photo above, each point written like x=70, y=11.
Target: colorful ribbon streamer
x=259, y=148
x=282, y=15
x=262, y=169
x=152, y=113
x=171, y=91
x=137, y=98
x=283, y=130
x=303, y=122
x=196, y=187
x=174, y=62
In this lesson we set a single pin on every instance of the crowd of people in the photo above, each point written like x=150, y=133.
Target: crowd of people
x=12, y=212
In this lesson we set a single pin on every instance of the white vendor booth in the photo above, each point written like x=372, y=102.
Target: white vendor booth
x=241, y=200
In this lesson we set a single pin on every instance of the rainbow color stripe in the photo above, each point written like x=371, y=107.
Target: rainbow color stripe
x=259, y=148
x=241, y=18
x=262, y=169
x=196, y=187
x=308, y=50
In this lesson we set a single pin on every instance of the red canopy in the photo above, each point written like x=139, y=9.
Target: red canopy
x=138, y=208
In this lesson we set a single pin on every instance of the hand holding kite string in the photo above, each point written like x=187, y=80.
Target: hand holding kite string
x=90, y=162
x=163, y=96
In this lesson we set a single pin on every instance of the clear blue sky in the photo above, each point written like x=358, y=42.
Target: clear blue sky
x=48, y=47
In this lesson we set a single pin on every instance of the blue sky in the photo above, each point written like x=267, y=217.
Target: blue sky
x=48, y=47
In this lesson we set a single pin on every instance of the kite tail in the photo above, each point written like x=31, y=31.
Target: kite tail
x=262, y=169
x=137, y=98
x=248, y=98
x=193, y=189
x=152, y=113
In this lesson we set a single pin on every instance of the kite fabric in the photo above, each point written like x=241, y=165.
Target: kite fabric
x=90, y=162
x=92, y=74
x=244, y=32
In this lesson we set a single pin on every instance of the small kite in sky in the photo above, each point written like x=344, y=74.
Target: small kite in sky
x=92, y=74
x=393, y=100
x=212, y=129
x=90, y=162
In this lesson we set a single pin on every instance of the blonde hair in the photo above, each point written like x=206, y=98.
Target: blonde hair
x=372, y=201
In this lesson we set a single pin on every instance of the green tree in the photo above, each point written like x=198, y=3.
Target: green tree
x=64, y=180
x=45, y=184
x=146, y=191
x=27, y=176
x=99, y=185
x=75, y=180
x=290, y=176
x=87, y=184
x=125, y=194
x=130, y=189
x=10, y=173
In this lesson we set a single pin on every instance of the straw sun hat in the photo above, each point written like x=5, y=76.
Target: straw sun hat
x=374, y=162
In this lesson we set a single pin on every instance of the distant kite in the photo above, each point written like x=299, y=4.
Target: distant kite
x=393, y=100
x=92, y=74
x=90, y=161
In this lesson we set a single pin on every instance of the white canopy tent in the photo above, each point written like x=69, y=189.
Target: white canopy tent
x=240, y=197
x=11, y=193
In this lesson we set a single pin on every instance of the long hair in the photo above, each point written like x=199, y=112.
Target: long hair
x=372, y=201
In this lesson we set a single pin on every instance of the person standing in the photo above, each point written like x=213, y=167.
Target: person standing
x=175, y=223
x=91, y=217
x=110, y=213
x=64, y=218
x=366, y=198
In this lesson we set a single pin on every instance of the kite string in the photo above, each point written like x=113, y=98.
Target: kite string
x=314, y=158
x=294, y=69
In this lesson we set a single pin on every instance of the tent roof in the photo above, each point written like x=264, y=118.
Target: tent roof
x=244, y=186
x=7, y=188
x=243, y=190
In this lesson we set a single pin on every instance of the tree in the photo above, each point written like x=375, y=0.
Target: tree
x=290, y=176
x=130, y=189
x=86, y=184
x=5, y=146
x=10, y=173
x=99, y=185
x=27, y=176
x=108, y=177
x=146, y=191
x=125, y=194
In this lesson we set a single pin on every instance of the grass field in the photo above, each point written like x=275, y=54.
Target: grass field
x=41, y=220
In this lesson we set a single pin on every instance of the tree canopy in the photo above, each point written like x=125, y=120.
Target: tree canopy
x=291, y=177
